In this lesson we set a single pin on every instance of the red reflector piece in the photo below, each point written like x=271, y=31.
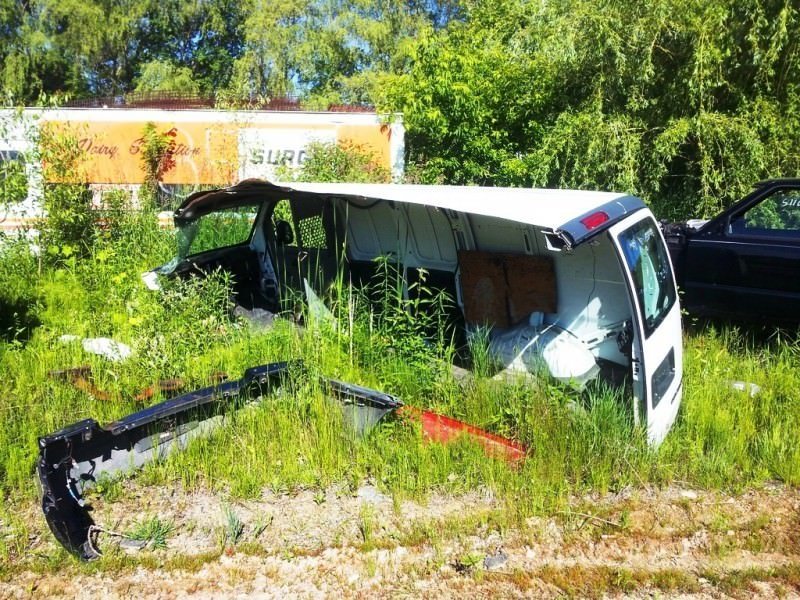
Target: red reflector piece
x=594, y=220
x=442, y=429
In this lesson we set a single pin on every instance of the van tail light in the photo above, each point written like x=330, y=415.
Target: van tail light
x=595, y=220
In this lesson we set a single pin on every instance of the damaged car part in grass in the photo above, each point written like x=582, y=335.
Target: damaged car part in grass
x=74, y=458
x=77, y=457
x=576, y=285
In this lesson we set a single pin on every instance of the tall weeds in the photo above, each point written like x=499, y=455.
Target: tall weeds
x=385, y=336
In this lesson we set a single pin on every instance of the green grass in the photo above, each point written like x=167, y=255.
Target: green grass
x=723, y=438
x=153, y=530
x=740, y=583
x=233, y=528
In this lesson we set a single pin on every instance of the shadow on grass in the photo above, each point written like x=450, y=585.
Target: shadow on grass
x=18, y=318
x=754, y=334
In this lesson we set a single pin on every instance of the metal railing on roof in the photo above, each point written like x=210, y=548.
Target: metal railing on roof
x=187, y=101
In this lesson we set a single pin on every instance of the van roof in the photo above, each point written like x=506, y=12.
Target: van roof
x=559, y=211
x=540, y=207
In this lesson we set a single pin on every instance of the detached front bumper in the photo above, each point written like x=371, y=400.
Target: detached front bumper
x=74, y=458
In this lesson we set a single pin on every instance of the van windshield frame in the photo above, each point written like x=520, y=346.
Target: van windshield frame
x=239, y=234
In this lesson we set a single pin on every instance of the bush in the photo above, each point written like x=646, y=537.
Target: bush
x=157, y=158
x=345, y=162
x=66, y=230
x=19, y=293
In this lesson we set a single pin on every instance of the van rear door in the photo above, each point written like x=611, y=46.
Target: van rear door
x=657, y=367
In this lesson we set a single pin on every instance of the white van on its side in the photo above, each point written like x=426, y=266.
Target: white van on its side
x=577, y=282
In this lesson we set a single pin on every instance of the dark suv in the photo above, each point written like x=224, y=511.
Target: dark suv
x=745, y=262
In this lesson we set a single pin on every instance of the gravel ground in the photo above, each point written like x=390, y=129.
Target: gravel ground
x=362, y=543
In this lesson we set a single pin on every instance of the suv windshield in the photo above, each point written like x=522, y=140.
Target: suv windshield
x=647, y=261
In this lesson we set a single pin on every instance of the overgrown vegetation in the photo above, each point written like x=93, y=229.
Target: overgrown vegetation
x=337, y=162
x=13, y=182
x=724, y=438
x=66, y=233
x=684, y=103
x=157, y=158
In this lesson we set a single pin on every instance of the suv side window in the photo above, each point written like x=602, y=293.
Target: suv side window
x=778, y=214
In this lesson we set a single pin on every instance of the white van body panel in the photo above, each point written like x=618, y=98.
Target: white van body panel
x=555, y=264
x=593, y=295
x=549, y=209
x=657, y=363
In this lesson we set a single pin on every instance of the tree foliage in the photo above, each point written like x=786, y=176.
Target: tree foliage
x=157, y=158
x=685, y=102
x=103, y=47
x=330, y=50
x=164, y=76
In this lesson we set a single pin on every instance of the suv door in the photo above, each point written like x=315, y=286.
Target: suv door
x=748, y=262
x=657, y=351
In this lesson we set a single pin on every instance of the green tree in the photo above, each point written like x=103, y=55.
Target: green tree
x=272, y=32
x=201, y=36
x=329, y=51
x=159, y=75
x=104, y=47
x=29, y=66
x=685, y=102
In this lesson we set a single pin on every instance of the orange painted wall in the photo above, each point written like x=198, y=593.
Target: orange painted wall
x=206, y=152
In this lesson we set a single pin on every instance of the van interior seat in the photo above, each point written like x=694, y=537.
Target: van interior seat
x=535, y=346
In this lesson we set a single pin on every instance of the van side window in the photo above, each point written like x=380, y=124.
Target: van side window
x=283, y=224
x=647, y=261
x=300, y=224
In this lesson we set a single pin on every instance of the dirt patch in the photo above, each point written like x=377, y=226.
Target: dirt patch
x=364, y=543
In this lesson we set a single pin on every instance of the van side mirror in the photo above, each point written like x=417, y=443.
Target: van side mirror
x=283, y=233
